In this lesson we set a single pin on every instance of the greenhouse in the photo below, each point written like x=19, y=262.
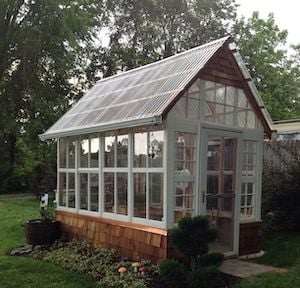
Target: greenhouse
x=144, y=148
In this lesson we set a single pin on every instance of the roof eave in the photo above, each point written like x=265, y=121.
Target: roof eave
x=153, y=120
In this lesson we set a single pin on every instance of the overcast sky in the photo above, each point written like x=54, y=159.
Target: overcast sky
x=286, y=14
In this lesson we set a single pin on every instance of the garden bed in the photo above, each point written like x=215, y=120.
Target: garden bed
x=103, y=266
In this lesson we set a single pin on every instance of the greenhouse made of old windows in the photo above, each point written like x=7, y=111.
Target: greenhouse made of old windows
x=144, y=148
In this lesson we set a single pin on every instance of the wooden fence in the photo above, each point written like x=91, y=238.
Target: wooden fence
x=281, y=154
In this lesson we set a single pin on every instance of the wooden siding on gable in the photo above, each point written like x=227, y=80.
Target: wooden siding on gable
x=222, y=70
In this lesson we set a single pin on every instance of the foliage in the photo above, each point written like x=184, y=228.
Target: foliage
x=25, y=272
x=210, y=259
x=101, y=264
x=51, y=51
x=192, y=236
x=276, y=75
x=282, y=248
x=281, y=198
x=42, y=48
x=205, y=277
x=144, y=31
x=173, y=271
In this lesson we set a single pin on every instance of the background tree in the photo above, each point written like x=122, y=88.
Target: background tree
x=276, y=75
x=42, y=48
x=142, y=32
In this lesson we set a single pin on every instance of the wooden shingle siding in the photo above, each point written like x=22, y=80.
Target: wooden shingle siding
x=250, y=238
x=132, y=241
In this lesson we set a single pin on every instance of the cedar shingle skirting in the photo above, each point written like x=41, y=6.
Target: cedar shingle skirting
x=132, y=241
x=250, y=238
x=136, y=241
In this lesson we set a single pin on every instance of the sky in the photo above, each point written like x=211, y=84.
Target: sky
x=286, y=14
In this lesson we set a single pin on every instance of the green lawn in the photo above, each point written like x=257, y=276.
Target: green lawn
x=25, y=272
x=282, y=250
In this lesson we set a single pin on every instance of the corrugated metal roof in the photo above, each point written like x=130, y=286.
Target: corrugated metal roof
x=136, y=97
x=287, y=126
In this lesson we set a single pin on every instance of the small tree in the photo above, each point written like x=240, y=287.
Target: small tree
x=192, y=237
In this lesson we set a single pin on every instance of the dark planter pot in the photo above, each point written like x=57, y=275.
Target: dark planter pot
x=39, y=232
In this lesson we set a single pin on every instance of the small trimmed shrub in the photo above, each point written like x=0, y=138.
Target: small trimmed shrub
x=192, y=237
x=205, y=277
x=173, y=271
x=210, y=259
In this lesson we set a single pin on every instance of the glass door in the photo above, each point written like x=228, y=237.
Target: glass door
x=219, y=187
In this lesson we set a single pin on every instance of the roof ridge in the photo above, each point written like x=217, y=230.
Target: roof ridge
x=223, y=39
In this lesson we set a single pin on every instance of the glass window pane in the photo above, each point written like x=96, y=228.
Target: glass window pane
x=156, y=142
x=84, y=153
x=122, y=179
x=184, y=200
x=62, y=152
x=229, y=151
x=71, y=190
x=228, y=184
x=71, y=147
x=249, y=200
x=185, y=153
x=109, y=198
x=193, y=108
x=213, y=154
x=180, y=107
x=230, y=95
x=94, y=152
x=194, y=88
x=220, y=95
x=229, y=119
x=241, y=121
x=94, y=188
x=251, y=119
x=122, y=151
x=62, y=189
x=212, y=184
x=242, y=101
x=139, y=195
x=83, y=191
x=109, y=157
x=250, y=188
x=156, y=196
x=140, y=149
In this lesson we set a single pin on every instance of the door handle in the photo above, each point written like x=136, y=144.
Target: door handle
x=203, y=196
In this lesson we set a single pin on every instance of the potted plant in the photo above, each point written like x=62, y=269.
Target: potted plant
x=45, y=230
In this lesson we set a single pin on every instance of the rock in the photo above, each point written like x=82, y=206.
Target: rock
x=22, y=251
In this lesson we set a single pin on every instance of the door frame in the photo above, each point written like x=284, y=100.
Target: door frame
x=205, y=132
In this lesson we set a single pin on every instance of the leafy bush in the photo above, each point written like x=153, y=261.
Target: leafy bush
x=192, y=237
x=205, y=277
x=210, y=259
x=173, y=271
x=281, y=197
